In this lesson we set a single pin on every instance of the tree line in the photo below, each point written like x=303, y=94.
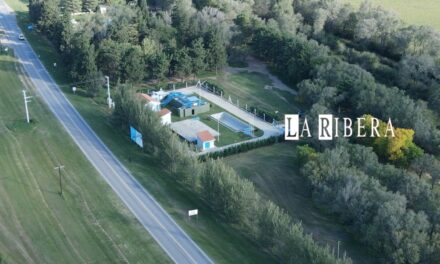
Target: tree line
x=131, y=43
x=328, y=83
x=414, y=50
x=393, y=212
x=232, y=198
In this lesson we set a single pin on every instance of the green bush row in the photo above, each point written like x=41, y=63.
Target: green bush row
x=235, y=149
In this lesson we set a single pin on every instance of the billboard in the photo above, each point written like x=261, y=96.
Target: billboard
x=136, y=137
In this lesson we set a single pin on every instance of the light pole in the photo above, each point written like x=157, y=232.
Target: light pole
x=26, y=101
x=109, y=99
x=59, y=168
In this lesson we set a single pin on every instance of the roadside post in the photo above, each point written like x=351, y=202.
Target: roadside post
x=192, y=213
x=59, y=168
x=26, y=101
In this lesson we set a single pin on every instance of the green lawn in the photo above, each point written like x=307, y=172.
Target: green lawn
x=221, y=242
x=274, y=170
x=419, y=12
x=249, y=88
x=227, y=136
x=38, y=225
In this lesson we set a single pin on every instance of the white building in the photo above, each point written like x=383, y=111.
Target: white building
x=205, y=140
x=152, y=103
x=102, y=9
x=165, y=116
x=159, y=95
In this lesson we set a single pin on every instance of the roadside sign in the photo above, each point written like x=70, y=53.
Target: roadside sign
x=136, y=137
x=193, y=212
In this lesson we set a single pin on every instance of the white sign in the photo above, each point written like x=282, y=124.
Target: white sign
x=193, y=212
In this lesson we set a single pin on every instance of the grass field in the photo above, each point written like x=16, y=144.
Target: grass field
x=38, y=225
x=221, y=242
x=274, y=170
x=249, y=88
x=419, y=12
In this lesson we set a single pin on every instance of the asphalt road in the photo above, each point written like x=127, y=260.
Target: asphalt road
x=173, y=240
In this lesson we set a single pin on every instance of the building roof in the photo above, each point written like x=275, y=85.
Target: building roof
x=147, y=97
x=163, y=112
x=205, y=136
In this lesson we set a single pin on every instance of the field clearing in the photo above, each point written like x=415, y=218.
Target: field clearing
x=419, y=12
x=38, y=225
x=274, y=171
x=221, y=242
x=251, y=88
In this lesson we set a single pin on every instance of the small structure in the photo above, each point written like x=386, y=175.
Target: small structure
x=165, y=116
x=184, y=105
x=189, y=128
x=205, y=140
x=152, y=103
x=159, y=95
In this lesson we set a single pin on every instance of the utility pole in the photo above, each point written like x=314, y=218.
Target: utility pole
x=59, y=168
x=109, y=99
x=218, y=129
x=339, y=242
x=26, y=101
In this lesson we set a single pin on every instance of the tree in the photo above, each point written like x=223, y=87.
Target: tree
x=35, y=10
x=159, y=65
x=216, y=52
x=133, y=65
x=72, y=6
x=319, y=20
x=198, y=55
x=50, y=16
x=180, y=17
x=427, y=164
x=434, y=98
x=162, y=4
x=423, y=164
x=399, y=149
x=89, y=71
x=417, y=74
x=183, y=62
x=90, y=5
x=109, y=58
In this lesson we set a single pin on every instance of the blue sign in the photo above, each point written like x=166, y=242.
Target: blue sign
x=136, y=137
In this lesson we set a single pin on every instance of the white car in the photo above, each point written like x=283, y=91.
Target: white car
x=21, y=37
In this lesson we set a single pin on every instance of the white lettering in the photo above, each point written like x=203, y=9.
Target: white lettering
x=325, y=127
x=361, y=125
x=291, y=130
x=390, y=128
x=347, y=127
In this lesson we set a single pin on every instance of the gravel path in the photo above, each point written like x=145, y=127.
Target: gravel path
x=254, y=65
